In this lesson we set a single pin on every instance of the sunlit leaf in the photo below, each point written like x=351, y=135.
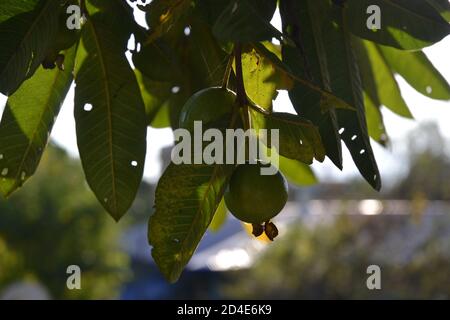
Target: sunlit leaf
x=27, y=121
x=220, y=217
x=418, y=71
x=298, y=138
x=27, y=28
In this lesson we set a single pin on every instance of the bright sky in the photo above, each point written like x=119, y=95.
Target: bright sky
x=389, y=161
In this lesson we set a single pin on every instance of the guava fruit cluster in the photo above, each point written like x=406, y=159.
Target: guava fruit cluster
x=250, y=196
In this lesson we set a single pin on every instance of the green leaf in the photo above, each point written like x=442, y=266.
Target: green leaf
x=405, y=24
x=329, y=100
x=386, y=86
x=261, y=78
x=375, y=124
x=220, y=217
x=303, y=21
x=28, y=120
x=418, y=71
x=374, y=118
x=442, y=6
x=346, y=83
x=246, y=21
x=27, y=28
x=298, y=138
x=166, y=18
x=184, y=213
x=296, y=172
x=109, y=113
x=154, y=94
x=157, y=61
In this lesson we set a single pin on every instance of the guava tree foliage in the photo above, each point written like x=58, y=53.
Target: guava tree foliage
x=338, y=71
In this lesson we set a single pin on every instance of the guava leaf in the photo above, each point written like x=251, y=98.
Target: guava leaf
x=307, y=59
x=385, y=85
x=27, y=121
x=442, y=6
x=296, y=172
x=220, y=217
x=418, y=71
x=109, y=113
x=298, y=138
x=184, y=213
x=405, y=24
x=246, y=21
x=261, y=78
x=27, y=28
x=346, y=83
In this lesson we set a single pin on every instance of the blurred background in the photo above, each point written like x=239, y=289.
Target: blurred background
x=329, y=234
x=330, y=231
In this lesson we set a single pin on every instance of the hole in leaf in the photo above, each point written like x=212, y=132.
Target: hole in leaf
x=429, y=89
x=88, y=107
x=341, y=130
x=175, y=89
x=134, y=163
x=354, y=137
x=362, y=151
x=187, y=31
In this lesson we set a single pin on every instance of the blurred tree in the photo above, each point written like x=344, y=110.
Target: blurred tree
x=429, y=167
x=56, y=222
x=330, y=261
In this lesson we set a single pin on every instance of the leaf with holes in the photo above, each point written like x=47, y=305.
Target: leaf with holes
x=345, y=82
x=110, y=115
x=418, y=71
x=385, y=85
x=307, y=59
x=298, y=138
x=28, y=120
x=375, y=123
x=184, y=213
x=372, y=104
x=27, y=28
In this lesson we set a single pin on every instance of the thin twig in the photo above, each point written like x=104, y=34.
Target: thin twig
x=226, y=76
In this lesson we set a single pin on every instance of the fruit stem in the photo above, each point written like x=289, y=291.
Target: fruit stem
x=240, y=88
x=241, y=95
x=229, y=67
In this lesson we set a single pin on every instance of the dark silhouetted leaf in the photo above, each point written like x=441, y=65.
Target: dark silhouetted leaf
x=184, y=213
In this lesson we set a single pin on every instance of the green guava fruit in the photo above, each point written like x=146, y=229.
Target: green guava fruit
x=209, y=106
x=255, y=198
